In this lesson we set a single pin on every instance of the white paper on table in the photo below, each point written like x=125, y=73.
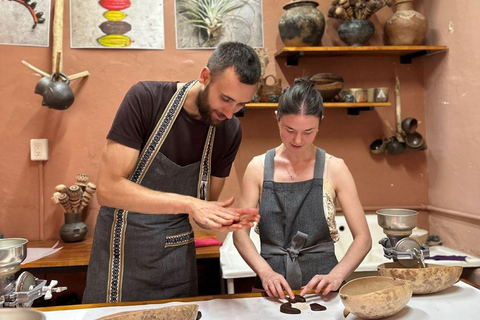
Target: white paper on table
x=34, y=254
x=457, y=302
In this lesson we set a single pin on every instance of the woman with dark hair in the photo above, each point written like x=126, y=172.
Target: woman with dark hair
x=295, y=186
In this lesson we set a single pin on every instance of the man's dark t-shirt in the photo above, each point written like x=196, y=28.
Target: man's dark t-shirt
x=140, y=112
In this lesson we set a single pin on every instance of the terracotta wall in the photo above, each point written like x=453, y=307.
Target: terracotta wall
x=77, y=135
x=451, y=111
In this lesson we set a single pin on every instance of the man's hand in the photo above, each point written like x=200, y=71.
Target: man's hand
x=217, y=215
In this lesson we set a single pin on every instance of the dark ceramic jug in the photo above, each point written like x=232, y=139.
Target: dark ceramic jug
x=356, y=32
x=301, y=25
x=56, y=94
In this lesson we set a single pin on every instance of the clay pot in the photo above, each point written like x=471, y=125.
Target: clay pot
x=406, y=26
x=375, y=297
x=432, y=278
x=269, y=93
x=395, y=147
x=328, y=84
x=74, y=229
x=301, y=25
x=356, y=32
x=56, y=94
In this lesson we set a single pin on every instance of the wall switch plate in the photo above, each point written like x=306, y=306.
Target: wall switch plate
x=38, y=149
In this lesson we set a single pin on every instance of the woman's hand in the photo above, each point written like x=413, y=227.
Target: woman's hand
x=322, y=284
x=274, y=284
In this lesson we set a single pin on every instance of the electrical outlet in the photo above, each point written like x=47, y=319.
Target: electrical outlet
x=38, y=149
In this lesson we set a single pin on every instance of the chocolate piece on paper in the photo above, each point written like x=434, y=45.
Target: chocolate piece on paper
x=296, y=299
x=317, y=307
x=199, y=315
x=288, y=309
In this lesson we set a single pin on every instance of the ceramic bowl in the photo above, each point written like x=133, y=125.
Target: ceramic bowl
x=414, y=140
x=378, y=146
x=328, y=84
x=432, y=278
x=375, y=297
x=20, y=314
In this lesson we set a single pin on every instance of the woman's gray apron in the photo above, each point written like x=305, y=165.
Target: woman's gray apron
x=294, y=233
x=138, y=256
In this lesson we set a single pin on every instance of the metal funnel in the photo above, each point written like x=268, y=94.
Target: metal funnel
x=12, y=252
x=397, y=219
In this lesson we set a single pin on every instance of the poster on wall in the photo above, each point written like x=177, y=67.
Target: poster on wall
x=203, y=24
x=25, y=23
x=117, y=24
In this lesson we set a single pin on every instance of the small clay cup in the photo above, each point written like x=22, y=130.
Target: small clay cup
x=381, y=94
x=409, y=125
x=360, y=94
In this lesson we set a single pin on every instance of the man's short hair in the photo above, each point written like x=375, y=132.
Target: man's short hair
x=241, y=56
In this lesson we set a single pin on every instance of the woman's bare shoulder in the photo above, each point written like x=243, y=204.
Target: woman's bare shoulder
x=335, y=163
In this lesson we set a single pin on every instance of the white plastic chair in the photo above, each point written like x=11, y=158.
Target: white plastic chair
x=232, y=264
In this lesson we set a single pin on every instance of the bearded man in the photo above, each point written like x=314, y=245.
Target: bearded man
x=167, y=155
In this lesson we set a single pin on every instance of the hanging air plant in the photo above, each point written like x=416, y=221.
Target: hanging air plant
x=208, y=16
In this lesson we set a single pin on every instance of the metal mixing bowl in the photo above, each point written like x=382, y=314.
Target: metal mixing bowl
x=20, y=314
x=12, y=252
x=397, y=219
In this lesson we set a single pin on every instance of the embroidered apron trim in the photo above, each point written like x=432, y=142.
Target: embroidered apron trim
x=179, y=239
x=204, y=176
x=149, y=152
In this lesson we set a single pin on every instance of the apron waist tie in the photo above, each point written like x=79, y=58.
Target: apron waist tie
x=293, y=271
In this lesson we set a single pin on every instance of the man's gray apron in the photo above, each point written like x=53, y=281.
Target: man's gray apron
x=138, y=256
x=294, y=233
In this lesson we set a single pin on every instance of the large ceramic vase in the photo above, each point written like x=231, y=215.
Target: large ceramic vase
x=301, y=25
x=74, y=230
x=356, y=32
x=406, y=26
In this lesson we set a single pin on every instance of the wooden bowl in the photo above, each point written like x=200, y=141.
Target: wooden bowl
x=432, y=278
x=182, y=312
x=328, y=84
x=375, y=297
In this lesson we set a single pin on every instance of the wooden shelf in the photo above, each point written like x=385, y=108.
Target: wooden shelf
x=406, y=53
x=325, y=105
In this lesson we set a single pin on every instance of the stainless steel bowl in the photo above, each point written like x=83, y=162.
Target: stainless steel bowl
x=20, y=314
x=397, y=219
x=12, y=252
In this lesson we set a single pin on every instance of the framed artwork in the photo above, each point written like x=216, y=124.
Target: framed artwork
x=203, y=24
x=117, y=24
x=25, y=22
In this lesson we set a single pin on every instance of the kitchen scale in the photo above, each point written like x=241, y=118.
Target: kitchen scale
x=398, y=224
x=20, y=292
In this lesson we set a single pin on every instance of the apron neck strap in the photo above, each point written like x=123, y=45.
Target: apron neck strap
x=159, y=135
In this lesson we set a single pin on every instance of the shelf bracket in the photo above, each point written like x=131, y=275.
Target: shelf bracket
x=407, y=58
x=356, y=111
x=292, y=59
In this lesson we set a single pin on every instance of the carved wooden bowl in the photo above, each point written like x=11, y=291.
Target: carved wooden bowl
x=432, y=278
x=328, y=84
x=375, y=297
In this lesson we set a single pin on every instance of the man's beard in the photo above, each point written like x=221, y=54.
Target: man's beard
x=204, y=108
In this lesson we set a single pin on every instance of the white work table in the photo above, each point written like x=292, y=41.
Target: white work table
x=461, y=301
